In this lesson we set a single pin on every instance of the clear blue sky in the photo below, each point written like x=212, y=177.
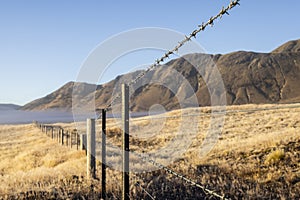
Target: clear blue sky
x=43, y=43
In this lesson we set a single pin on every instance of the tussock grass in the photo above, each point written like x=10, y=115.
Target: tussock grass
x=275, y=156
x=257, y=156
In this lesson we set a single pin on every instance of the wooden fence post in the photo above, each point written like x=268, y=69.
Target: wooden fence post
x=71, y=139
x=76, y=139
x=57, y=134
x=67, y=138
x=62, y=136
x=82, y=142
x=103, y=154
x=91, y=151
x=125, y=141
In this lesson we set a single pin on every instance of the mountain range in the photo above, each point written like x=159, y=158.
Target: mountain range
x=9, y=107
x=248, y=78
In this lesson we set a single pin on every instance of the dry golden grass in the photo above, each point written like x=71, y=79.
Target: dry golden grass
x=257, y=155
x=31, y=161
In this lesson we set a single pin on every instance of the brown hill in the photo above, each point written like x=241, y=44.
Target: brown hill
x=291, y=46
x=248, y=78
x=60, y=99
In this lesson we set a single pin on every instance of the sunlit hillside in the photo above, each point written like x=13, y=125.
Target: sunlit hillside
x=256, y=156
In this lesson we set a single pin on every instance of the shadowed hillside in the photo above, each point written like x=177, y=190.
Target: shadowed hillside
x=9, y=107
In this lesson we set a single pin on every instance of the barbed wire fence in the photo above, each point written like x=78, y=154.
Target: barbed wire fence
x=167, y=54
x=193, y=34
x=152, y=67
x=138, y=180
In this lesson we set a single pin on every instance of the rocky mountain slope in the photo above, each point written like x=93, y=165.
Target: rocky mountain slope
x=248, y=77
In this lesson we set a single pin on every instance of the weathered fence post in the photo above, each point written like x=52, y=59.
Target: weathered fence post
x=57, y=134
x=67, y=138
x=52, y=133
x=82, y=142
x=76, y=139
x=62, y=136
x=71, y=138
x=125, y=141
x=91, y=151
x=103, y=154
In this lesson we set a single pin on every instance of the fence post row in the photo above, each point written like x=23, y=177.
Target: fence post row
x=88, y=143
x=125, y=141
x=64, y=137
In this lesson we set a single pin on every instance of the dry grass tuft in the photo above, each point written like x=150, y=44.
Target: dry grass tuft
x=275, y=157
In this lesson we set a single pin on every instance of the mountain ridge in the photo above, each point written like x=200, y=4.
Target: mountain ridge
x=9, y=106
x=249, y=77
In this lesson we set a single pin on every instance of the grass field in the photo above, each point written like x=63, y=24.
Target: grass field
x=257, y=156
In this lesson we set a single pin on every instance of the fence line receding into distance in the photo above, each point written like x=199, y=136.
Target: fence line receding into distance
x=85, y=141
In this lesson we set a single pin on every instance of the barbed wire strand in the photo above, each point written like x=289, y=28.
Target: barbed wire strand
x=170, y=171
x=182, y=177
x=154, y=117
x=137, y=183
x=156, y=64
x=187, y=38
x=215, y=113
x=144, y=190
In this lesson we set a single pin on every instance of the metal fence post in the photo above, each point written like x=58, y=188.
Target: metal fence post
x=125, y=141
x=103, y=154
x=91, y=144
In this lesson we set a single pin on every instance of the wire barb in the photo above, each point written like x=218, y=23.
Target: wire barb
x=194, y=33
x=187, y=180
x=144, y=190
